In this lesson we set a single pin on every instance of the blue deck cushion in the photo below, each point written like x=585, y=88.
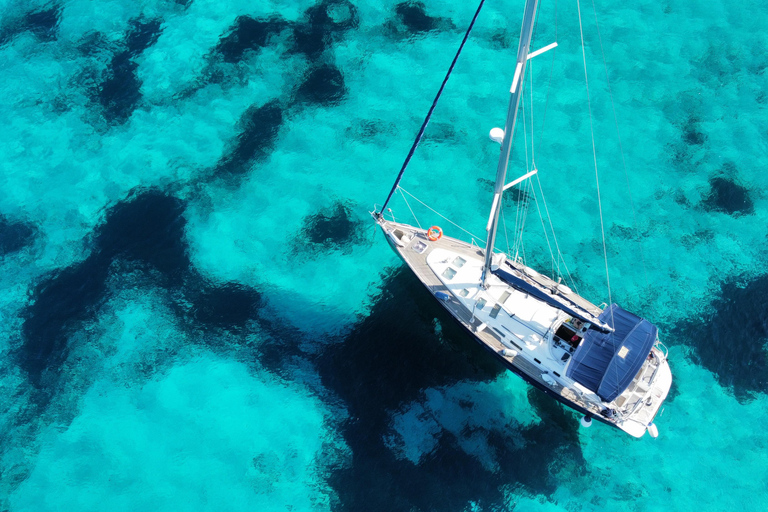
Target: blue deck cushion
x=607, y=363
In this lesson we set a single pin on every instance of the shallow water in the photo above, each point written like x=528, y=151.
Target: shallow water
x=198, y=314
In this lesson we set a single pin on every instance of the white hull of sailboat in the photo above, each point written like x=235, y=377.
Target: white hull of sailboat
x=521, y=330
x=607, y=364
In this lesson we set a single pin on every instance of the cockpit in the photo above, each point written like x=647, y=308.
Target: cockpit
x=566, y=339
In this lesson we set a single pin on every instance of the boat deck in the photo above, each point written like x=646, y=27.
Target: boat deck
x=414, y=248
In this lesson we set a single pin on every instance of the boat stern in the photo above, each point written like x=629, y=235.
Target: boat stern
x=643, y=401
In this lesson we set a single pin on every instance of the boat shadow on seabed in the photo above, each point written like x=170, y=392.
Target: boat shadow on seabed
x=387, y=361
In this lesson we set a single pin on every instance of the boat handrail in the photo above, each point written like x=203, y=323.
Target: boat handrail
x=663, y=349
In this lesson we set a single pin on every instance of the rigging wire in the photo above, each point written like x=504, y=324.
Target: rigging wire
x=409, y=207
x=551, y=69
x=541, y=217
x=519, y=211
x=597, y=183
x=554, y=237
x=528, y=190
x=524, y=218
x=560, y=257
x=519, y=206
x=621, y=149
x=524, y=215
x=530, y=81
x=525, y=129
x=533, y=166
x=527, y=162
x=594, y=155
x=504, y=222
x=431, y=109
x=441, y=215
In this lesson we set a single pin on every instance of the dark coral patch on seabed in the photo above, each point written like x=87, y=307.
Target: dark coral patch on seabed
x=44, y=24
x=241, y=41
x=148, y=228
x=248, y=34
x=142, y=35
x=260, y=126
x=230, y=306
x=146, y=231
x=323, y=25
x=692, y=135
x=62, y=301
x=323, y=85
x=15, y=235
x=413, y=17
x=732, y=339
x=120, y=89
x=728, y=196
x=332, y=228
x=326, y=22
x=386, y=362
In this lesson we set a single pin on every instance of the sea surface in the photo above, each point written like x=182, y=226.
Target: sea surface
x=197, y=312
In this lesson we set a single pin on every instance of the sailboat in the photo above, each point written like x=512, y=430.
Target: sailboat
x=606, y=363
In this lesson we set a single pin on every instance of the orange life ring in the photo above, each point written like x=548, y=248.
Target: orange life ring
x=434, y=233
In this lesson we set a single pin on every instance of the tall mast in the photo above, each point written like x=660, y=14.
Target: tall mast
x=509, y=130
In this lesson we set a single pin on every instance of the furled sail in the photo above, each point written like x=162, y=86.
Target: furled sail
x=515, y=277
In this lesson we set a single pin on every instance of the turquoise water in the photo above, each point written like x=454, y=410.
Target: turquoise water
x=197, y=313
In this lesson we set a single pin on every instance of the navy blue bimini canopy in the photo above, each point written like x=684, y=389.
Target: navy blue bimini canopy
x=607, y=363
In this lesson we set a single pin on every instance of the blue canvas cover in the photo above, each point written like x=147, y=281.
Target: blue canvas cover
x=607, y=363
